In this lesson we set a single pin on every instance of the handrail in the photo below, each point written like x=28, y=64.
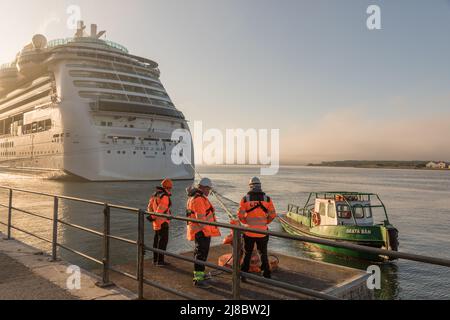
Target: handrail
x=140, y=244
x=337, y=244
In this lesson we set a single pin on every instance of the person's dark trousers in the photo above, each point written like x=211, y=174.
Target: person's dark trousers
x=160, y=242
x=261, y=245
x=201, y=251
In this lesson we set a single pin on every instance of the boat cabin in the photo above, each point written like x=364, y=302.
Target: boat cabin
x=339, y=209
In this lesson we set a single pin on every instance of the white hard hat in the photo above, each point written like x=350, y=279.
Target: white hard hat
x=254, y=181
x=206, y=182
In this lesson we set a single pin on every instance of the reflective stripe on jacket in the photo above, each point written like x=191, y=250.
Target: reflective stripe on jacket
x=256, y=211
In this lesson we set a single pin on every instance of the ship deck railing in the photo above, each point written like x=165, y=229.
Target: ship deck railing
x=139, y=244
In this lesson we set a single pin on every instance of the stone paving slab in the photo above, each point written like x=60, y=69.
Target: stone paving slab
x=27, y=274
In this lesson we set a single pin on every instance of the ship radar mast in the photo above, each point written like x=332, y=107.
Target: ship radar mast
x=94, y=33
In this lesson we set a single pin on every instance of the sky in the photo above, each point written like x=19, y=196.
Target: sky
x=334, y=88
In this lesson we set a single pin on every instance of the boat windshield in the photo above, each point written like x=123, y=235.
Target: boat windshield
x=344, y=211
x=359, y=212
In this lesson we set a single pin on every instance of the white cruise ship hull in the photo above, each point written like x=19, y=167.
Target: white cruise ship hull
x=90, y=109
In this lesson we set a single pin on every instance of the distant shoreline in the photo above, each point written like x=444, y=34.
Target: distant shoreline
x=366, y=164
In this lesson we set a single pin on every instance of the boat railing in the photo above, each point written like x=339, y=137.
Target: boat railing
x=9, y=65
x=106, y=235
x=65, y=41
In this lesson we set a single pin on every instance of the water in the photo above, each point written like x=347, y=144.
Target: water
x=418, y=204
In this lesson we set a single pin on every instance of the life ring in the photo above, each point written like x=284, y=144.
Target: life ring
x=316, y=219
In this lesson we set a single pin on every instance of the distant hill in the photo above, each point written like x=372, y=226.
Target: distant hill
x=373, y=164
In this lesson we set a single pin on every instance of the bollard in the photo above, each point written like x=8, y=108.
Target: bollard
x=141, y=248
x=106, y=248
x=236, y=276
x=55, y=229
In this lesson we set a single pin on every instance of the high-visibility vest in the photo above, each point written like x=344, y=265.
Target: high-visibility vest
x=256, y=211
x=198, y=207
x=159, y=203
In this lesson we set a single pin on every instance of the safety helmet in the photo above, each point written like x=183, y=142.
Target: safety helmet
x=205, y=182
x=167, y=184
x=254, y=181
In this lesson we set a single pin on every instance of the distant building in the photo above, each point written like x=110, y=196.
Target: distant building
x=442, y=165
x=432, y=165
x=438, y=165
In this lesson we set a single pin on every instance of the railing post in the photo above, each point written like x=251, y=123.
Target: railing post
x=55, y=229
x=106, y=248
x=141, y=251
x=236, y=276
x=9, y=215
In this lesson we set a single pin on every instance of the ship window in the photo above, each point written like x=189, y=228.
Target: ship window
x=368, y=212
x=322, y=209
x=138, y=99
x=93, y=74
x=359, y=211
x=331, y=210
x=48, y=124
x=344, y=211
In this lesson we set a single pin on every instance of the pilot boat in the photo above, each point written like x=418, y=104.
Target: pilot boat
x=343, y=216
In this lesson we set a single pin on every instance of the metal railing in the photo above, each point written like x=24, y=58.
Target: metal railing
x=142, y=248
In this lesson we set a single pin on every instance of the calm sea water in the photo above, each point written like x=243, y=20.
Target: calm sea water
x=418, y=204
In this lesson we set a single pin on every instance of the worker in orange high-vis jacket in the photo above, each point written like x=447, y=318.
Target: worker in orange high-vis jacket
x=256, y=211
x=160, y=202
x=199, y=208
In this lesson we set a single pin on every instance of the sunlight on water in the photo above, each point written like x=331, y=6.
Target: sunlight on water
x=418, y=204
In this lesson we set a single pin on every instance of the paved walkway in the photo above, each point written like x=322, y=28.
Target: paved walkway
x=17, y=282
x=27, y=274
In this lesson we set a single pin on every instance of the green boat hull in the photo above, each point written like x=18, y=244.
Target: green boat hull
x=372, y=236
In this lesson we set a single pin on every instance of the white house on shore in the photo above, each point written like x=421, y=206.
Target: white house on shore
x=432, y=165
x=442, y=165
x=437, y=165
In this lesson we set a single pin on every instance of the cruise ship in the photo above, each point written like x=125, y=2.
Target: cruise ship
x=87, y=107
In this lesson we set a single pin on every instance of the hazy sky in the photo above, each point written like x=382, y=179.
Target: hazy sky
x=309, y=68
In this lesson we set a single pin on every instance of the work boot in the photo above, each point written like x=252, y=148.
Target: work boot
x=203, y=284
x=207, y=276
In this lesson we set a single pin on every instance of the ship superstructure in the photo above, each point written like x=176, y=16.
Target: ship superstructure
x=88, y=107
